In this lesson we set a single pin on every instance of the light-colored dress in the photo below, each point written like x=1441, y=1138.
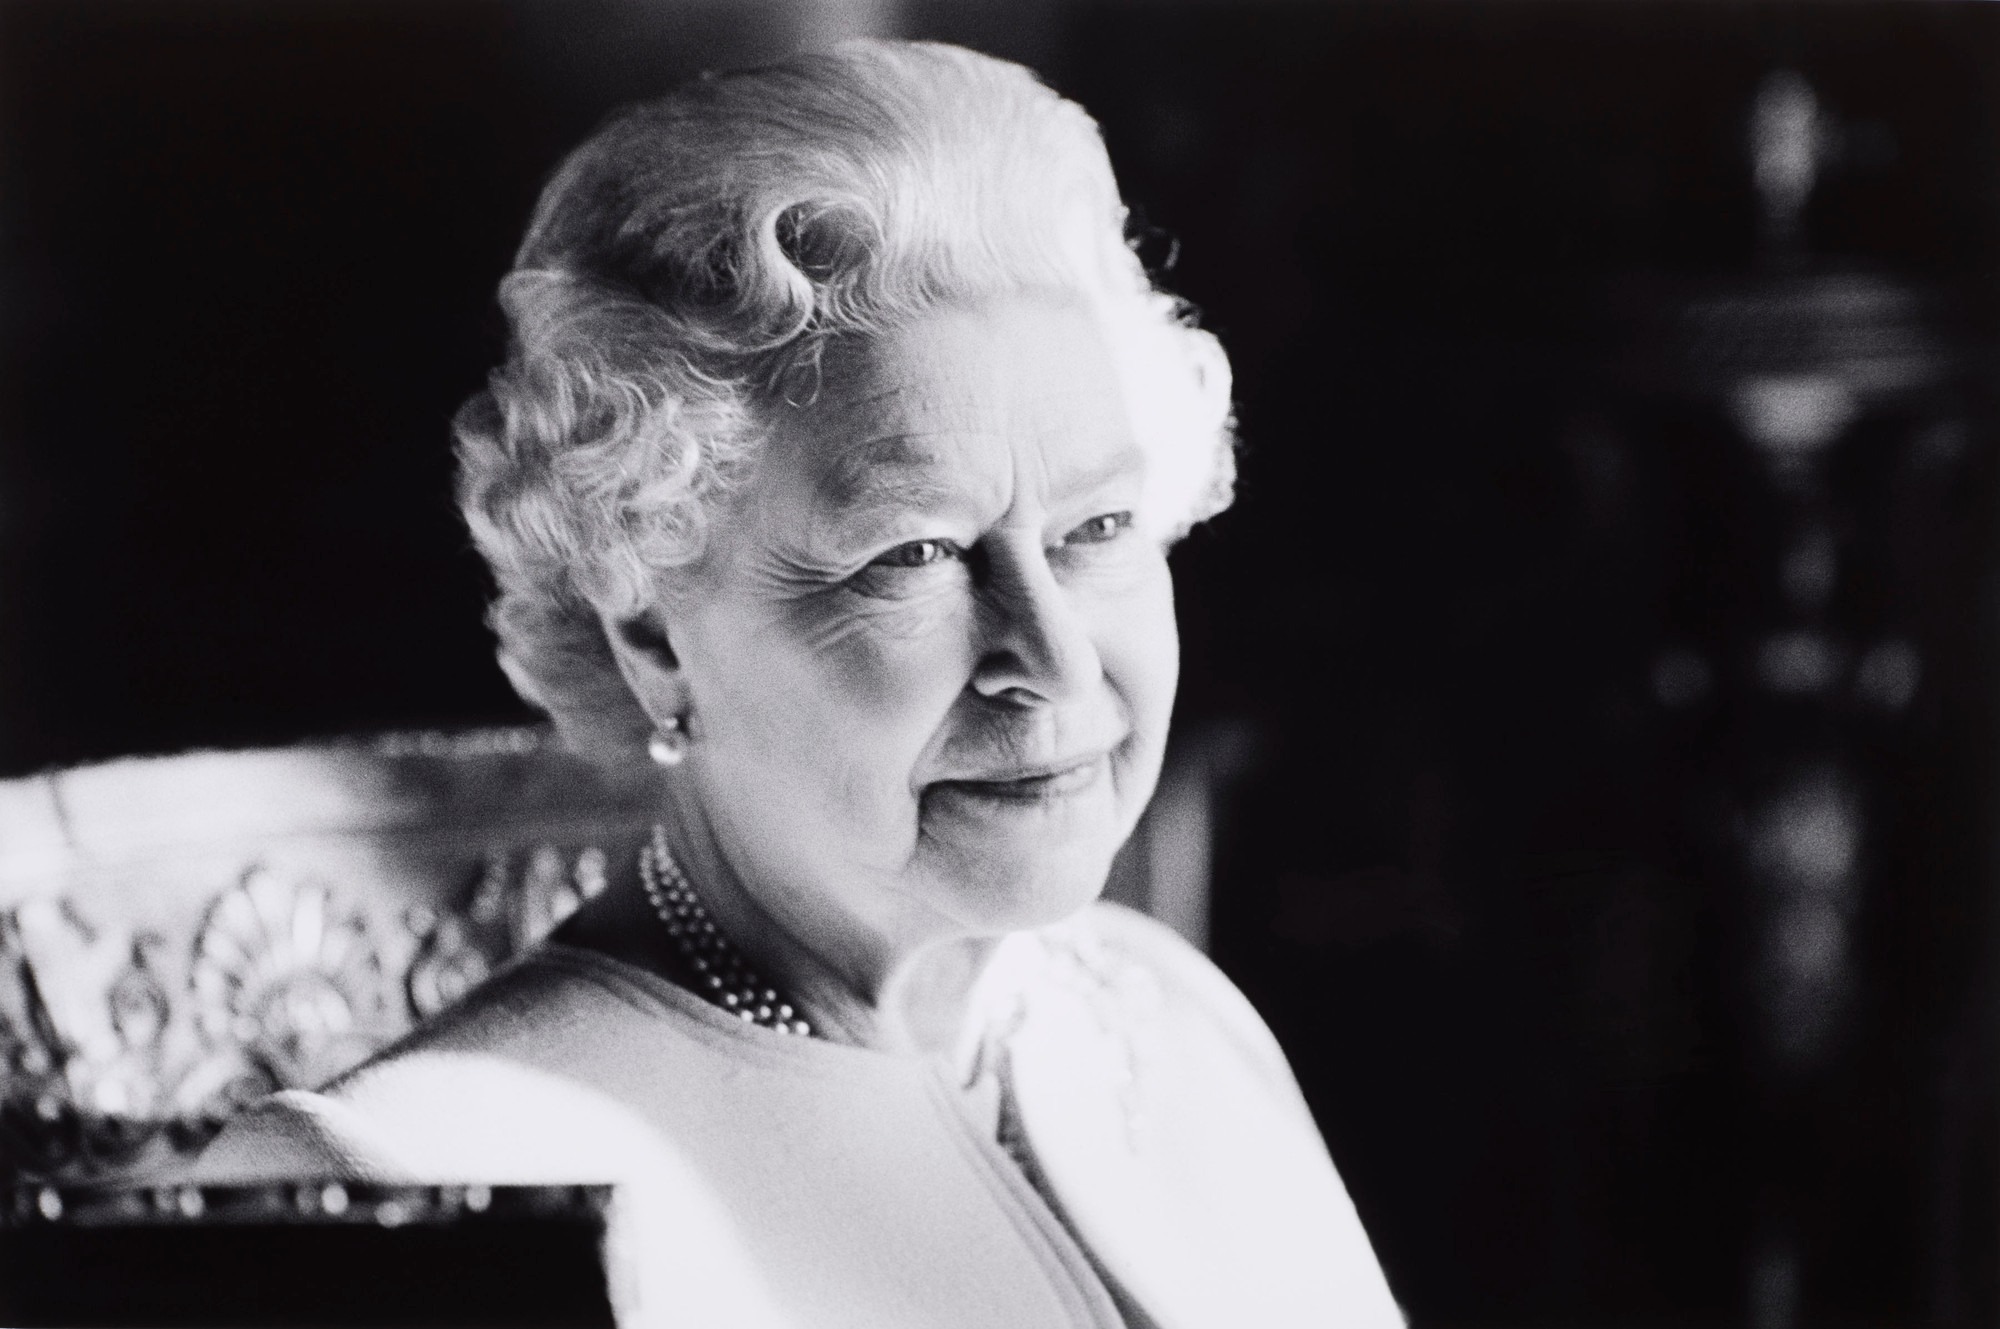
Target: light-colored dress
x=1152, y=1161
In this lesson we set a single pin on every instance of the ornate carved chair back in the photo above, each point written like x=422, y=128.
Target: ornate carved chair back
x=180, y=934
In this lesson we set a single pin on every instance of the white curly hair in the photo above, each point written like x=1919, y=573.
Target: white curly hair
x=683, y=273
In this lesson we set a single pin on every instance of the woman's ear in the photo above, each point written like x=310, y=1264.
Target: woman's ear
x=646, y=659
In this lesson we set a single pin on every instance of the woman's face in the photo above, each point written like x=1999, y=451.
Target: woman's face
x=929, y=658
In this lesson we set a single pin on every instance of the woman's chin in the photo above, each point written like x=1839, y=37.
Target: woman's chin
x=1002, y=903
x=1025, y=853
x=1016, y=864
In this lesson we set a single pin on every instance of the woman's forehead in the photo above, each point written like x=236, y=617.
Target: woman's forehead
x=909, y=415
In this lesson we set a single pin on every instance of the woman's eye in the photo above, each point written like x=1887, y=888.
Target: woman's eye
x=917, y=554
x=1108, y=526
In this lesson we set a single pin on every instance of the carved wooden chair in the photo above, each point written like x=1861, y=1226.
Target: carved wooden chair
x=179, y=935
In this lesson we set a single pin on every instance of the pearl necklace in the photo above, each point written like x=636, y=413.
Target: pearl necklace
x=721, y=973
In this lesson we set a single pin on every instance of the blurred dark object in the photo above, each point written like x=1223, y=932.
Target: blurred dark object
x=1813, y=438
x=305, y=1253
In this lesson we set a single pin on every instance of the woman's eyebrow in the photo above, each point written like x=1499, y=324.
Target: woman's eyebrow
x=1123, y=464
x=898, y=473
x=893, y=471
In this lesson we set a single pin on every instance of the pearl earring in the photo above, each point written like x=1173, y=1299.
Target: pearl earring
x=669, y=744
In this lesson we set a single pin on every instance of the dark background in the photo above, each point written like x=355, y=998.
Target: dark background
x=247, y=255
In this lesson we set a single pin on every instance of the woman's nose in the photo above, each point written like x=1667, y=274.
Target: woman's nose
x=1036, y=646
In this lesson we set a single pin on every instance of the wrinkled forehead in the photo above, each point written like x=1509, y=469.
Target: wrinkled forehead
x=903, y=415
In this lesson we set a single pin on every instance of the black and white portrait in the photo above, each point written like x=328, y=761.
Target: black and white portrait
x=928, y=662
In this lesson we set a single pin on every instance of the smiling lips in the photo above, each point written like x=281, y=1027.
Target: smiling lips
x=1034, y=783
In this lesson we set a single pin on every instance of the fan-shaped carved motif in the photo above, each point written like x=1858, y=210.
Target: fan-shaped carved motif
x=119, y=1050
x=181, y=934
x=290, y=971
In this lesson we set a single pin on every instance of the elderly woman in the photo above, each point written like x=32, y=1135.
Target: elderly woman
x=835, y=460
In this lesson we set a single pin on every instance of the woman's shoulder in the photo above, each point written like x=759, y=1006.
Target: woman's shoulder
x=1163, y=1112
x=290, y=1134
x=505, y=1086
x=1157, y=972
x=554, y=997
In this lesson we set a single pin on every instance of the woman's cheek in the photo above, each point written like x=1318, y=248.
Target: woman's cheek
x=890, y=656
x=1132, y=586
x=1140, y=640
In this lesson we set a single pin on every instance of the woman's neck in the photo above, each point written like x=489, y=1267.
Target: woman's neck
x=910, y=1000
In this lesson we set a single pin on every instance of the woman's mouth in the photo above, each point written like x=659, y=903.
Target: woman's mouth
x=1031, y=784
